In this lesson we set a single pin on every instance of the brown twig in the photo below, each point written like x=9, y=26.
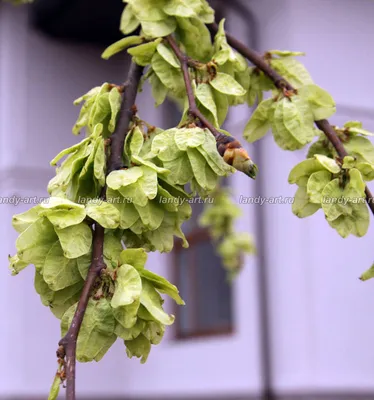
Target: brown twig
x=69, y=341
x=256, y=59
x=192, y=110
x=126, y=115
x=281, y=83
x=228, y=147
x=68, y=344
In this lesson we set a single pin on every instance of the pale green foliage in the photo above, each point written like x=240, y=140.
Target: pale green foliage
x=221, y=77
x=232, y=248
x=337, y=188
x=259, y=124
x=321, y=103
x=113, y=310
x=97, y=331
x=226, y=84
x=160, y=17
x=291, y=123
x=147, y=200
x=146, y=196
x=259, y=83
x=368, y=274
x=101, y=105
x=55, y=388
x=143, y=54
x=291, y=118
x=285, y=53
x=292, y=70
x=349, y=214
x=56, y=236
x=355, y=142
x=195, y=38
x=355, y=128
x=191, y=156
x=82, y=173
x=219, y=218
x=106, y=214
x=121, y=45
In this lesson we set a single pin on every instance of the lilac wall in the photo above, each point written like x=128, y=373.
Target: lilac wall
x=322, y=324
x=320, y=312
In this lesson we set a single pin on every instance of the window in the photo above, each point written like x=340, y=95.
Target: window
x=201, y=280
x=199, y=275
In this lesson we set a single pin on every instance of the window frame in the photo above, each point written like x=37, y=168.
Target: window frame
x=197, y=235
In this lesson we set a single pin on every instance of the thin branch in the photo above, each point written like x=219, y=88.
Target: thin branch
x=281, y=83
x=125, y=117
x=331, y=135
x=192, y=110
x=256, y=59
x=229, y=148
x=68, y=344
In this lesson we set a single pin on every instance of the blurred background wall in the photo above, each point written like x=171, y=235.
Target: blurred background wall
x=299, y=323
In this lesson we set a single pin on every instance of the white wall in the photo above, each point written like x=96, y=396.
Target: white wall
x=321, y=319
x=320, y=312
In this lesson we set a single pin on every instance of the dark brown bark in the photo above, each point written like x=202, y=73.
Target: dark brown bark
x=68, y=344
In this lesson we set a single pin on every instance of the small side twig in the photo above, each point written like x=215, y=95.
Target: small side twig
x=281, y=83
x=68, y=344
x=226, y=145
x=192, y=110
